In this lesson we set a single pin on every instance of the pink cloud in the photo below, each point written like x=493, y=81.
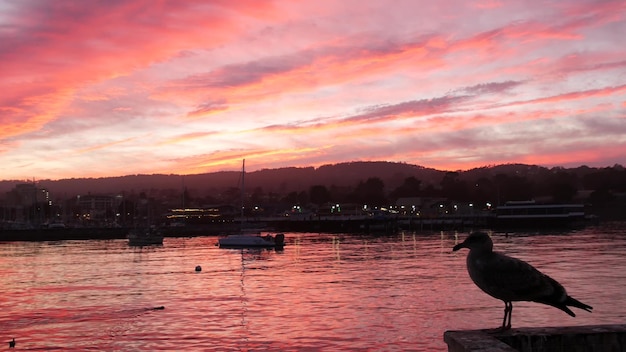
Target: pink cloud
x=579, y=95
x=304, y=82
x=488, y=4
x=58, y=47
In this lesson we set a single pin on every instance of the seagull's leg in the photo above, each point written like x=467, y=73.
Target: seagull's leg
x=506, y=314
x=508, y=324
x=508, y=307
x=506, y=320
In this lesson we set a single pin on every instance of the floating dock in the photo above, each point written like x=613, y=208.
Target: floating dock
x=591, y=338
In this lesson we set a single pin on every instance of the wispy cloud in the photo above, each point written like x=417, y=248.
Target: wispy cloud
x=195, y=86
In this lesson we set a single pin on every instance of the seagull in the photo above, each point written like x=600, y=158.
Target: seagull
x=510, y=279
x=12, y=343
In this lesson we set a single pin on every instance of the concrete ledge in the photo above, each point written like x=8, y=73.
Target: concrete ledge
x=474, y=341
x=592, y=338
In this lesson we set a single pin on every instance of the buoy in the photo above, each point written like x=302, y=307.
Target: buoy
x=198, y=268
x=12, y=343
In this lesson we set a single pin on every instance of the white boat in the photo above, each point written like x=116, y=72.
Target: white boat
x=252, y=241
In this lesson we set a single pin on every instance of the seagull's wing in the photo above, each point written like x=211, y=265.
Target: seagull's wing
x=512, y=279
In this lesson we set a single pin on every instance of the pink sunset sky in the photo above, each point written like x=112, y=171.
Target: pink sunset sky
x=111, y=88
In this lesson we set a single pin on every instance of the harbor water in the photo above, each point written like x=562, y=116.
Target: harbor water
x=323, y=292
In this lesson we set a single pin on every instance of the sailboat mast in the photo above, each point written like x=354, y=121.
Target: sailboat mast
x=243, y=186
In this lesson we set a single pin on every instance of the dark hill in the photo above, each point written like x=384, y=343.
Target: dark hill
x=293, y=179
x=282, y=180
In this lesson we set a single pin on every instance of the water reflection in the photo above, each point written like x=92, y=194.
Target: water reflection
x=322, y=292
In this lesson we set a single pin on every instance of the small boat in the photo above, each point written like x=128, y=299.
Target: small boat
x=252, y=241
x=244, y=240
x=147, y=237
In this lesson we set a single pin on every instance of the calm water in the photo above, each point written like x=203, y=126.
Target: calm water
x=323, y=292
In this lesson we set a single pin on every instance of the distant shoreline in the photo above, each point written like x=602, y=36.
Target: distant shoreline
x=339, y=225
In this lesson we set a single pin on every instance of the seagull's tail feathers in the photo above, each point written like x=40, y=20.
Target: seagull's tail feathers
x=565, y=304
x=561, y=306
x=569, y=301
x=558, y=298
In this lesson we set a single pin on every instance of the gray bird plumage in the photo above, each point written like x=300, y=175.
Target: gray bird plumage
x=510, y=279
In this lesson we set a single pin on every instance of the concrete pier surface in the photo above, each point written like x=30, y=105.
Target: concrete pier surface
x=590, y=338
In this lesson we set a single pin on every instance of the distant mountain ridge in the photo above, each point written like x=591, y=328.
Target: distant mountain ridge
x=282, y=180
x=271, y=180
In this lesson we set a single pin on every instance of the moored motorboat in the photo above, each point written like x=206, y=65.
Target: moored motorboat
x=252, y=241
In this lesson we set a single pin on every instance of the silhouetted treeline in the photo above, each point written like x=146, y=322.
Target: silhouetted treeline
x=372, y=183
x=283, y=180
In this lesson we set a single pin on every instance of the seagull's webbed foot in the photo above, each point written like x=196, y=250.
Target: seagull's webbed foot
x=497, y=330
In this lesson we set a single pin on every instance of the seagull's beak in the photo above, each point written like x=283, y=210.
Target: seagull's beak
x=458, y=246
